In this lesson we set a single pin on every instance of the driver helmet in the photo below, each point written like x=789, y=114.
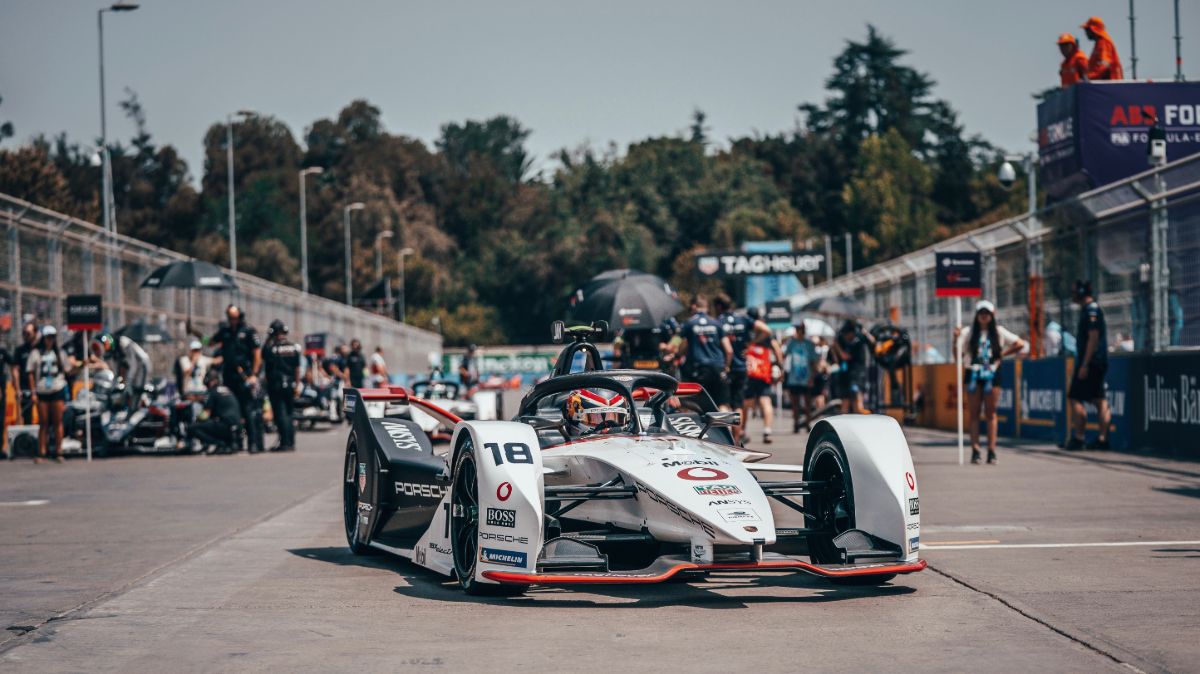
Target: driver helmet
x=589, y=411
x=105, y=342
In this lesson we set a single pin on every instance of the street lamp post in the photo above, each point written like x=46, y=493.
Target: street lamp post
x=105, y=179
x=386, y=234
x=312, y=170
x=405, y=252
x=229, y=170
x=356, y=206
x=1008, y=175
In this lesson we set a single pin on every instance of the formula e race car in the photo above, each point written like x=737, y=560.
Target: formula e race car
x=621, y=476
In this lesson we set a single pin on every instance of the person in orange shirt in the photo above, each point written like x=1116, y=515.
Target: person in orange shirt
x=1075, y=64
x=1104, y=63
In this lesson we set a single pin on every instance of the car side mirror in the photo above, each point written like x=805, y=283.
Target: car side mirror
x=557, y=331
x=542, y=423
x=727, y=419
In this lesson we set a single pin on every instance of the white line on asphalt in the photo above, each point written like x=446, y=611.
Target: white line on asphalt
x=995, y=546
x=24, y=503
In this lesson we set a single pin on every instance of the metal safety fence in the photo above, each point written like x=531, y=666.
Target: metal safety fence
x=1137, y=240
x=46, y=256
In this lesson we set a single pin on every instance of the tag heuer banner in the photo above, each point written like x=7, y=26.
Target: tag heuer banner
x=739, y=263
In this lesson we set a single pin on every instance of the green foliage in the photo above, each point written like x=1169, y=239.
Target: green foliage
x=497, y=251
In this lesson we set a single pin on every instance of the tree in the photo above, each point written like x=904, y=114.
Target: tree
x=887, y=198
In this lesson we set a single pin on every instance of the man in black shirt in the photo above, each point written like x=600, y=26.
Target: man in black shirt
x=5, y=363
x=224, y=414
x=709, y=352
x=281, y=363
x=851, y=350
x=1091, y=364
x=21, y=374
x=241, y=358
x=355, y=364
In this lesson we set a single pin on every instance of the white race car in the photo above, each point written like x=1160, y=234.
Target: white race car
x=622, y=476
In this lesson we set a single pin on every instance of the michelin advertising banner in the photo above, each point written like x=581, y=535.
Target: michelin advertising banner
x=1043, y=399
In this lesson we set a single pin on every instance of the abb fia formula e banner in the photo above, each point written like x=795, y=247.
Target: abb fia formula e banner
x=958, y=274
x=1095, y=133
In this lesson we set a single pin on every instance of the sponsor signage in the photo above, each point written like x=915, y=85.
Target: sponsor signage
x=1164, y=396
x=959, y=274
x=717, y=490
x=501, y=517
x=778, y=312
x=503, y=557
x=1043, y=399
x=740, y=263
x=701, y=473
x=1095, y=133
x=85, y=312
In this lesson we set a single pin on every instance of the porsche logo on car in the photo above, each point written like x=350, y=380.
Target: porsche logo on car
x=702, y=473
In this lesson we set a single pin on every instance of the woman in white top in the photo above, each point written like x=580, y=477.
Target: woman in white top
x=48, y=368
x=982, y=348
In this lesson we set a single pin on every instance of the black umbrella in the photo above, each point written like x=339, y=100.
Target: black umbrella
x=843, y=307
x=627, y=299
x=190, y=274
x=144, y=333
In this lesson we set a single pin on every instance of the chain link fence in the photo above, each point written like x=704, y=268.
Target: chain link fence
x=45, y=256
x=1137, y=240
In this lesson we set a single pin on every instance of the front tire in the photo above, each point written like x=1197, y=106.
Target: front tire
x=353, y=494
x=464, y=528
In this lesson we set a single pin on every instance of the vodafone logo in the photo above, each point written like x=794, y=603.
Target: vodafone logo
x=504, y=491
x=700, y=473
x=912, y=482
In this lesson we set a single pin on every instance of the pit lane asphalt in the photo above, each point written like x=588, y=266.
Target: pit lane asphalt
x=239, y=563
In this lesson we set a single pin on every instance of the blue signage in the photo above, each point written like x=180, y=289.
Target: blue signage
x=1043, y=399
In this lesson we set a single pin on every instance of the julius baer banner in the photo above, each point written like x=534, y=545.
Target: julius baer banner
x=1165, y=400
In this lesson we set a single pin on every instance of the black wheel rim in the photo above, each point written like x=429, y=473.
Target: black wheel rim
x=464, y=517
x=833, y=508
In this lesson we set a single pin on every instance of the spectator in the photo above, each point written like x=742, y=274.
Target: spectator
x=742, y=329
x=850, y=350
x=47, y=366
x=1104, y=64
x=224, y=414
x=1074, y=67
x=25, y=402
x=468, y=369
x=356, y=364
x=1091, y=365
x=191, y=369
x=708, y=351
x=760, y=378
x=983, y=347
x=240, y=351
x=281, y=361
x=379, y=371
x=800, y=375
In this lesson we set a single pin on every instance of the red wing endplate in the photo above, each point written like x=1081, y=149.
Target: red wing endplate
x=666, y=567
x=401, y=395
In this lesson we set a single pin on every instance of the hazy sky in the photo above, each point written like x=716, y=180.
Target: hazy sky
x=572, y=72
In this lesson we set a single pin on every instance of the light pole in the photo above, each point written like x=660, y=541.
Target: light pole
x=229, y=170
x=404, y=252
x=312, y=170
x=105, y=175
x=386, y=234
x=356, y=206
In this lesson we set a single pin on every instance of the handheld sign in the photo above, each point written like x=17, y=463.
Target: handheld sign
x=959, y=274
x=84, y=312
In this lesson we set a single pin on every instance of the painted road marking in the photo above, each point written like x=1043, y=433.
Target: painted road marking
x=995, y=545
x=35, y=502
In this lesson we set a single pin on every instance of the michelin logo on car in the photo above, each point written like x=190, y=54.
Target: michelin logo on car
x=503, y=557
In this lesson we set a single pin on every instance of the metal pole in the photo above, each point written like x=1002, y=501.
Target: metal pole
x=103, y=124
x=828, y=259
x=87, y=386
x=232, y=213
x=401, y=298
x=1178, y=53
x=1133, y=42
x=378, y=258
x=958, y=367
x=1031, y=179
x=346, y=228
x=1160, y=270
x=303, y=239
x=849, y=254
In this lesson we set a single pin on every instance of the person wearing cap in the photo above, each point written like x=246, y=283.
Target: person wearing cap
x=982, y=348
x=30, y=334
x=1074, y=67
x=1104, y=64
x=800, y=369
x=1088, y=385
x=281, y=363
x=47, y=368
x=190, y=370
x=851, y=349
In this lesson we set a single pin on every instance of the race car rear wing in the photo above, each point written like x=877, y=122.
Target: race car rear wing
x=377, y=400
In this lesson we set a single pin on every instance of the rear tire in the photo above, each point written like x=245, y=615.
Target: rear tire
x=464, y=528
x=357, y=531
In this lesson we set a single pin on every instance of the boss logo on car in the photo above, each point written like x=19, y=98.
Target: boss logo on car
x=717, y=489
x=503, y=538
x=401, y=436
x=503, y=557
x=690, y=462
x=914, y=506
x=499, y=517
x=432, y=491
